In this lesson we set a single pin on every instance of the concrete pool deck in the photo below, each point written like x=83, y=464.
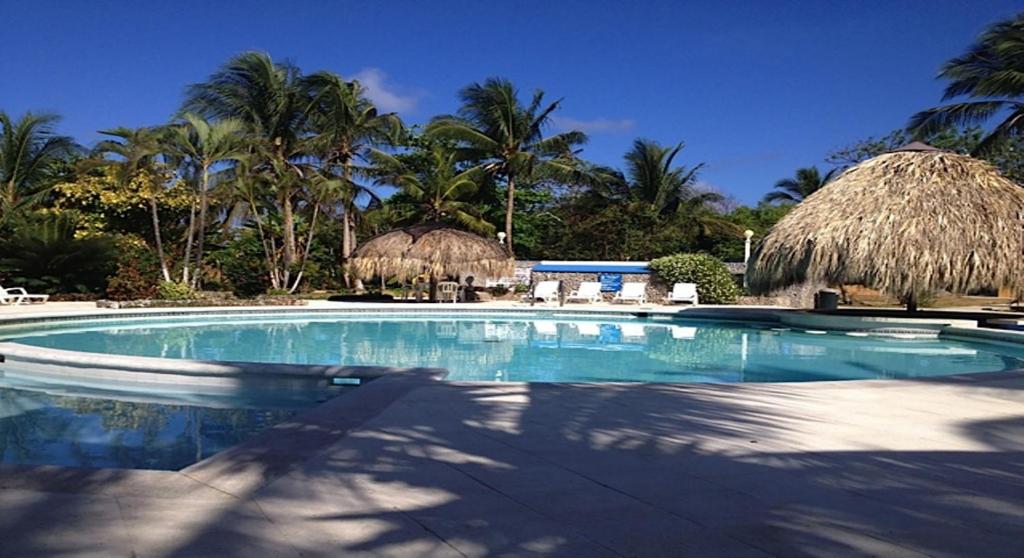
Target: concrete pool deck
x=419, y=468
x=405, y=466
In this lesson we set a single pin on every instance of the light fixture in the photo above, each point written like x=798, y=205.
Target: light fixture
x=501, y=238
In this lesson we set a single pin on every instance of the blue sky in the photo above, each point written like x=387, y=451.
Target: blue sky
x=755, y=89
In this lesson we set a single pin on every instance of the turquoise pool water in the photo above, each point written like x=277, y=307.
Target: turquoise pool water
x=561, y=349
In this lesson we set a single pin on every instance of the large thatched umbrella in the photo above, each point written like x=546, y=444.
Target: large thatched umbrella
x=910, y=222
x=434, y=249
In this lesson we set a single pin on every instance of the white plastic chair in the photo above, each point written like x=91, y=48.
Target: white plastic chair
x=545, y=291
x=684, y=292
x=18, y=295
x=632, y=292
x=589, y=291
x=448, y=291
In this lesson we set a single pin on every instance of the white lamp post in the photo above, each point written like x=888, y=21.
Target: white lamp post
x=746, y=254
x=501, y=238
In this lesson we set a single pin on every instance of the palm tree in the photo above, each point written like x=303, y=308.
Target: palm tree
x=439, y=191
x=654, y=181
x=137, y=150
x=492, y=126
x=29, y=150
x=990, y=75
x=795, y=190
x=204, y=144
x=268, y=97
x=346, y=124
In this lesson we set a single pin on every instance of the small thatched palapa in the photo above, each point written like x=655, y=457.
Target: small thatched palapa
x=435, y=249
x=909, y=222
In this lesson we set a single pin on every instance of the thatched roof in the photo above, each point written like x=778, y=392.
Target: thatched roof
x=908, y=222
x=433, y=248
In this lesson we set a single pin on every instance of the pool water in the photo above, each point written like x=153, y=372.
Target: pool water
x=515, y=348
x=38, y=427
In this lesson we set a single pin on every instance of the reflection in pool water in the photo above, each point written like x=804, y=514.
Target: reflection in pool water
x=39, y=428
x=517, y=349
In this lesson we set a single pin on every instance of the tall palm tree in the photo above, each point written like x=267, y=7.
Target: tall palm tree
x=137, y=150
x=653, y=180
x=495, y=128
x=345, y=124
x=268, y=97
x=29, y=150
x=204, y=144
x=440, y=191
x=991, y=75
x=794, y=190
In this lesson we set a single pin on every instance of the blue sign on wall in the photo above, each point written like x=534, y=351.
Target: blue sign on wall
x=610, y=282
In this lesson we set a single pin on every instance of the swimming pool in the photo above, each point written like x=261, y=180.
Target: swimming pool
x=534, y=348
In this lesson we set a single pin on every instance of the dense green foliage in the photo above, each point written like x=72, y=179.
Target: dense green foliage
x=173, y=290
x=991, y=76
x=715, y=284
x=793, y=190
x=45, y=255
x=268, y=178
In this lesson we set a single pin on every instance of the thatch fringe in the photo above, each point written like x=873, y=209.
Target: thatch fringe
x=907, y=223
x=434, y=249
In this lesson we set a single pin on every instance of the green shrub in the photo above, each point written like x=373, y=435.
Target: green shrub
x=715, y=284
x=46, y=255
x=522, y=288
x=244, y=265
x=138, y=271
x=278, y=292
x=170, y=290
x=499, y=290
x=128, y=283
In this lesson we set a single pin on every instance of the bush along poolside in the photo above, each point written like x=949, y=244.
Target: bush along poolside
x=204, y=302
x=715, y=284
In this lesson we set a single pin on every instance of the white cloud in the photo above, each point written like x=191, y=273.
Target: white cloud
x=594, y=126
x=383, y=93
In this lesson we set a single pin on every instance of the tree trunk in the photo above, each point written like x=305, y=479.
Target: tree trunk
x=912, y=303
x=158, y=240
x=289, y=235
x=346, y=225
x=204, y=203
x=189, y=237
x=305, y=252
x=269, y=251
x=510, y=209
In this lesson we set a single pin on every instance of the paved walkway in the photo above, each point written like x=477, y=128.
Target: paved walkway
x=406, y=467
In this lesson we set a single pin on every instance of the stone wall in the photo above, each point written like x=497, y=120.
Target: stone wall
x=656, y=292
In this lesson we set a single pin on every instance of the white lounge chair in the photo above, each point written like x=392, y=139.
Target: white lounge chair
x=589, y=291
x=632, y=292
x=545, y=291
x=684, y=292
x=18, y=295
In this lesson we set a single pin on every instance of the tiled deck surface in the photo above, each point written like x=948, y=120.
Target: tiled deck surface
x=417, y=468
